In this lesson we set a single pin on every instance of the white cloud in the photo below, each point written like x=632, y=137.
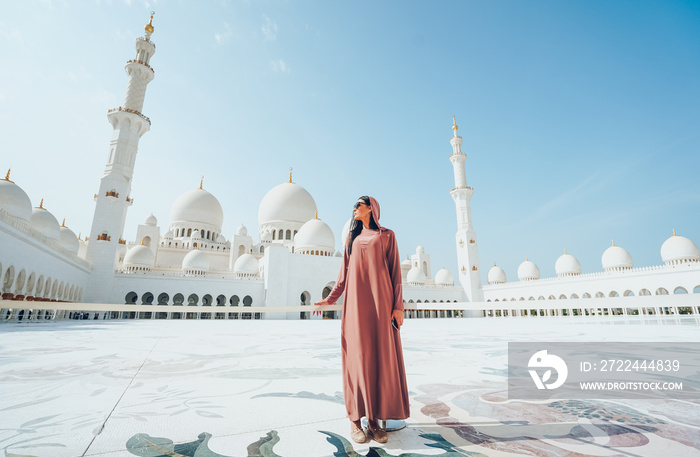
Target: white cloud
x=280, y=66
x=269, y=29
x=223, y=37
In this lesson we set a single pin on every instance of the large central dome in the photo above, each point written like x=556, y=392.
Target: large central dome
x=197, y=206
x=288, y=202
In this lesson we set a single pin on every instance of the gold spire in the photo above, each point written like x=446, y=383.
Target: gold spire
x=674, y=232
x=290, y=174
x=613, y=241
x=454, y=124
x=316, y=216
x=80, y=236
x=41, y=204
x=7, y=176
x=201, y=182
x=63, y=224
x=494, y=263
x=565, y=251
x=149, y=27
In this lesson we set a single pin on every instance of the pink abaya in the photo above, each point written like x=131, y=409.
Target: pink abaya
x=374, y=378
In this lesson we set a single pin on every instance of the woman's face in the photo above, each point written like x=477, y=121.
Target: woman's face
x=361, y=210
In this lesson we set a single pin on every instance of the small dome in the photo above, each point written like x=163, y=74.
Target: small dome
x=44, y=221
x=241, y=230
x=528, y=271
x=314, y=235
x=420, y=250
x=444, y=278
x=196, y=261
x=406, y=264
x=68, y=239
x=196, y=235
x=338, y=254
x=616, y=258
x=168, y=234
x=14, y=200
x=288, y=202
x=416, y=276
x=197, y=206
x=266, y=237
x=567, y=265
x=151, y=220
x=246, y=265
x=139, y=256
x=496, y=275
x=679, y=249
x=221, y=239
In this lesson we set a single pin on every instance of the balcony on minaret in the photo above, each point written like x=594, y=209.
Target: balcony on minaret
x=104, y=237
x=112, y=193
x=142, y=63
x=132, y=111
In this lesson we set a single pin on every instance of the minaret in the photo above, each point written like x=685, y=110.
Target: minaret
x=467, y=252
x=114, y=197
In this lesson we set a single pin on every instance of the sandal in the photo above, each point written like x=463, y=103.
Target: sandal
x=357, y=434
x=379, y=435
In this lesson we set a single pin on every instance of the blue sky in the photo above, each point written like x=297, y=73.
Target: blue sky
x=580, y=119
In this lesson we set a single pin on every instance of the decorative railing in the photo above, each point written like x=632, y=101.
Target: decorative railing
x=142, y=63
x=132, y=111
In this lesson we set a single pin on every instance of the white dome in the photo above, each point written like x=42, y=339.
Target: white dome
x=68, y=239
x=196, y=235
x=528, y=271
x=197, y=206
x=314, y=235
x=288, y=202
x=221, y=239
x=139, y=256
x=616, y=258
x=168, y=234
x=196, y=260
x=151, y=220
x=14, y=200
x=266, y=237
x=246, y=265
x=406, y=263
x=344, y=235
x=444, y=278
x=44, y=221
x=416, y=276
x=496, y=275
x=242, y=230
x=567, y=265
x=420, y=250
x=679, y=249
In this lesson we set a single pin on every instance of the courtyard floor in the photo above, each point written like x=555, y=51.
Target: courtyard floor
x=273, y=388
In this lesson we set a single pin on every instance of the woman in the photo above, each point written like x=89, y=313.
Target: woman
x=374, y=378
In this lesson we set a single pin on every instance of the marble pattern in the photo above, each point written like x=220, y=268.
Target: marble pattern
x=273, y=388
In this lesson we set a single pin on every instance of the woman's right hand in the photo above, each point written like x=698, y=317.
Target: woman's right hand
x=317, y=311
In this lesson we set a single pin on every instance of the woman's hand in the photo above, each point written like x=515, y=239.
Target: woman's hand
x=398, y=315
x=317, y=311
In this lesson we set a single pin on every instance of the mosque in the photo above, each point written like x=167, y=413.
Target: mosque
x=189, y=269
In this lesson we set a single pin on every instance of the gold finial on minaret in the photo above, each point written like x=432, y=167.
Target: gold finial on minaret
x=454, y=124
x=316, y=216
x=565, y=251
x=149, y=27
x=290, y=174
x=80, y=236
x=613, y=241
x=201, y=182
x=41, y=204
x=674, y=232
x=7, y=176
x=494, y=263
x=63, y=224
